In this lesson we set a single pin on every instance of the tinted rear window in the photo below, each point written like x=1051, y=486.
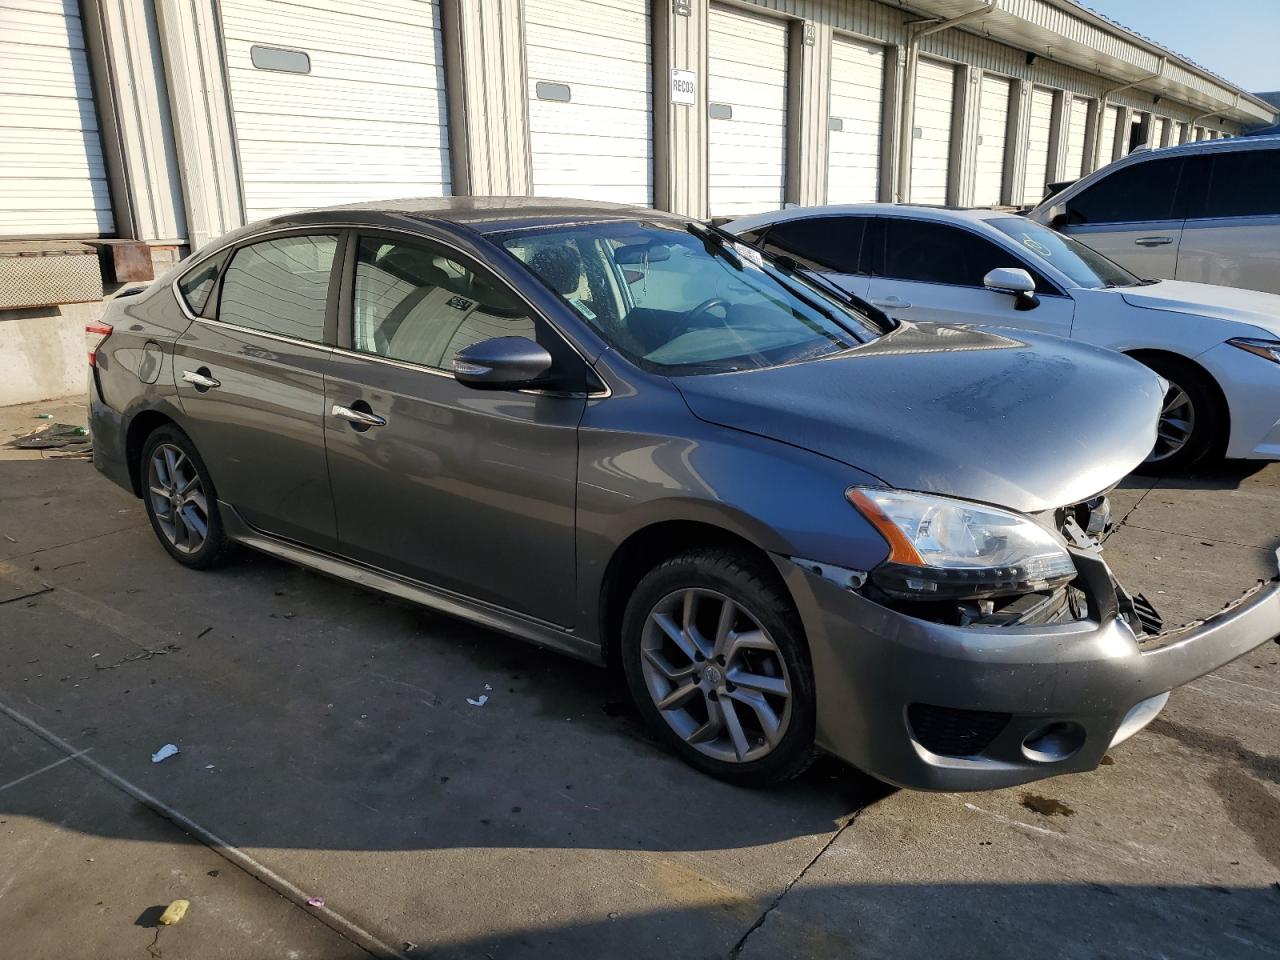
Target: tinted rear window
x=1244, y=184
x=280, y=286
x=822, y=243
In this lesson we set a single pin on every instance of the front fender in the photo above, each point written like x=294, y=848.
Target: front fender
x=785, y=500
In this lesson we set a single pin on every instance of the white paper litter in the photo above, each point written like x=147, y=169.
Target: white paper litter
x=479, y=701
x=164, y=753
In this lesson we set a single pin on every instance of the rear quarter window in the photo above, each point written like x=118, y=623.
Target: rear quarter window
x=196, y=284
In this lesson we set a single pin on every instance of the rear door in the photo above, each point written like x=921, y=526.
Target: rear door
x=1232, y=233
x=470, y=491
x=1132, y=216
x=250, y=378
x=829, y=245
x=934, y=271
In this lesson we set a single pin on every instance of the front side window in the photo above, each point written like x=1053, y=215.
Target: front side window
x=197, y=284
x=1139, y=193
x=928, y=252
x=1244, y=183
x=683, y=302
x=280, y=286
x=413, y=302
x=1084, y=265
x=820, y=243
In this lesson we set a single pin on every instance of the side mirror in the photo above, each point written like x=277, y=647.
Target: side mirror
x=502, y=363
x=1016, y=282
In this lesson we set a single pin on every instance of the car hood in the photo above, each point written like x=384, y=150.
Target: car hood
x=1024, y=421
x=1208, y=300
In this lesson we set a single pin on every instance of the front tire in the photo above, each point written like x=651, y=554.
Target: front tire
x=716, y=661
x=181, y=502
x=1193, y=417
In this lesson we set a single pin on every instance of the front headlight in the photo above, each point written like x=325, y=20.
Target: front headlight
x=1267, y=349
x=941, y=548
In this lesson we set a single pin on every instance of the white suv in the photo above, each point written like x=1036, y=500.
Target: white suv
x=1206, y=211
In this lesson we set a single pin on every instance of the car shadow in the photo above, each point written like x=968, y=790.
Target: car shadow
x=1220, y=475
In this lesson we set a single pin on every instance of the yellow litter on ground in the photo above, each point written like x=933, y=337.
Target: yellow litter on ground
x=174, y=912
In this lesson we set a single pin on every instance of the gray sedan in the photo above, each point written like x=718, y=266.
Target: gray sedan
x=794, y=524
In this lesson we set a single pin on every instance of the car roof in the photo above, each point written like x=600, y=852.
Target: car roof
x=918, y=211
x=480, y=214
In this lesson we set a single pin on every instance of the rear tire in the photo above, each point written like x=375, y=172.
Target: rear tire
x=180, y=499
x=716, y=661
x=1193, y=418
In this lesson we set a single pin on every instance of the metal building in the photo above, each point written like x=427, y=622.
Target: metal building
x=132, y=131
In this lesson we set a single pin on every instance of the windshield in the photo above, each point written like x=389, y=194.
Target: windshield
x=680, y=301
x=1085, y=266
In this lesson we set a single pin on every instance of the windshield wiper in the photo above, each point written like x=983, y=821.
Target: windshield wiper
x=714, y=239
x=791, y=265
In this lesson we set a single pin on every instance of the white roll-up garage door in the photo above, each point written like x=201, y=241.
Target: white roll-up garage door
x=1077, y=121
x=590, y=99
x=931, y=136
x=53, y=182
x=993, y=126
x=1041, y=123
x=1107, y=136
x=857, y=87
x=747, y=112
x=336, y=102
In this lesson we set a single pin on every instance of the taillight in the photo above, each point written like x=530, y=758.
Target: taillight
x=101, y=331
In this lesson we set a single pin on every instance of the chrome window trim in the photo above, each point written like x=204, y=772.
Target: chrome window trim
x=296, y=341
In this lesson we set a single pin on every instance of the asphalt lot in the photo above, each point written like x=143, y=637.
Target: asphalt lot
x=328, y=750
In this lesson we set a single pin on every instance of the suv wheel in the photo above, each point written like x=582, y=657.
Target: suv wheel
x=716, y=661
x=180, y=499
x=1191, y=420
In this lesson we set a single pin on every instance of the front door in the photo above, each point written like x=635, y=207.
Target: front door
x=251, y=381
x=934, y=271
x=467, y=490
x=1133, y=216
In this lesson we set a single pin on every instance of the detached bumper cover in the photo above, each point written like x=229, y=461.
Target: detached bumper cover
x=1090, y=684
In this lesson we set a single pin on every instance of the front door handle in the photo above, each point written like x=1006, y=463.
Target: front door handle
x=358, y=418
x=200, y=379
x=1153, y=241
x=891, y=302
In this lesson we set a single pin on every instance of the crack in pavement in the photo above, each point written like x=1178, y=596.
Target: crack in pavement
x=259, y=871
x=742, y=941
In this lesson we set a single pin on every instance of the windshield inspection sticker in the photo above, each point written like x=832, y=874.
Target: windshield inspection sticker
x=582, y=308
x=749, y=254
x=1035, y=246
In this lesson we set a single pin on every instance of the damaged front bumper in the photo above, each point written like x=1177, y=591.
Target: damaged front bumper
x=933, y=706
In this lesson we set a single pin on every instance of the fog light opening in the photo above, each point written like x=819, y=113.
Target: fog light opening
x=1053, y=742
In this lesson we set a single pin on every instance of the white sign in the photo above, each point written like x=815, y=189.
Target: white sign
x=684, y=87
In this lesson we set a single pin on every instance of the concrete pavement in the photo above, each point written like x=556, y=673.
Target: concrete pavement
x=325, y=734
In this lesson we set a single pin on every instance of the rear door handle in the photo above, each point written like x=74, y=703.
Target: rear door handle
x=200, y=379
x=358, y=418
x=1153, y=241
x=894, y=302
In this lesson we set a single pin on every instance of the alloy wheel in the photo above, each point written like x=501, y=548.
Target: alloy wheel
x=715, y=675
x=178, y=498
x=1177, y=423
